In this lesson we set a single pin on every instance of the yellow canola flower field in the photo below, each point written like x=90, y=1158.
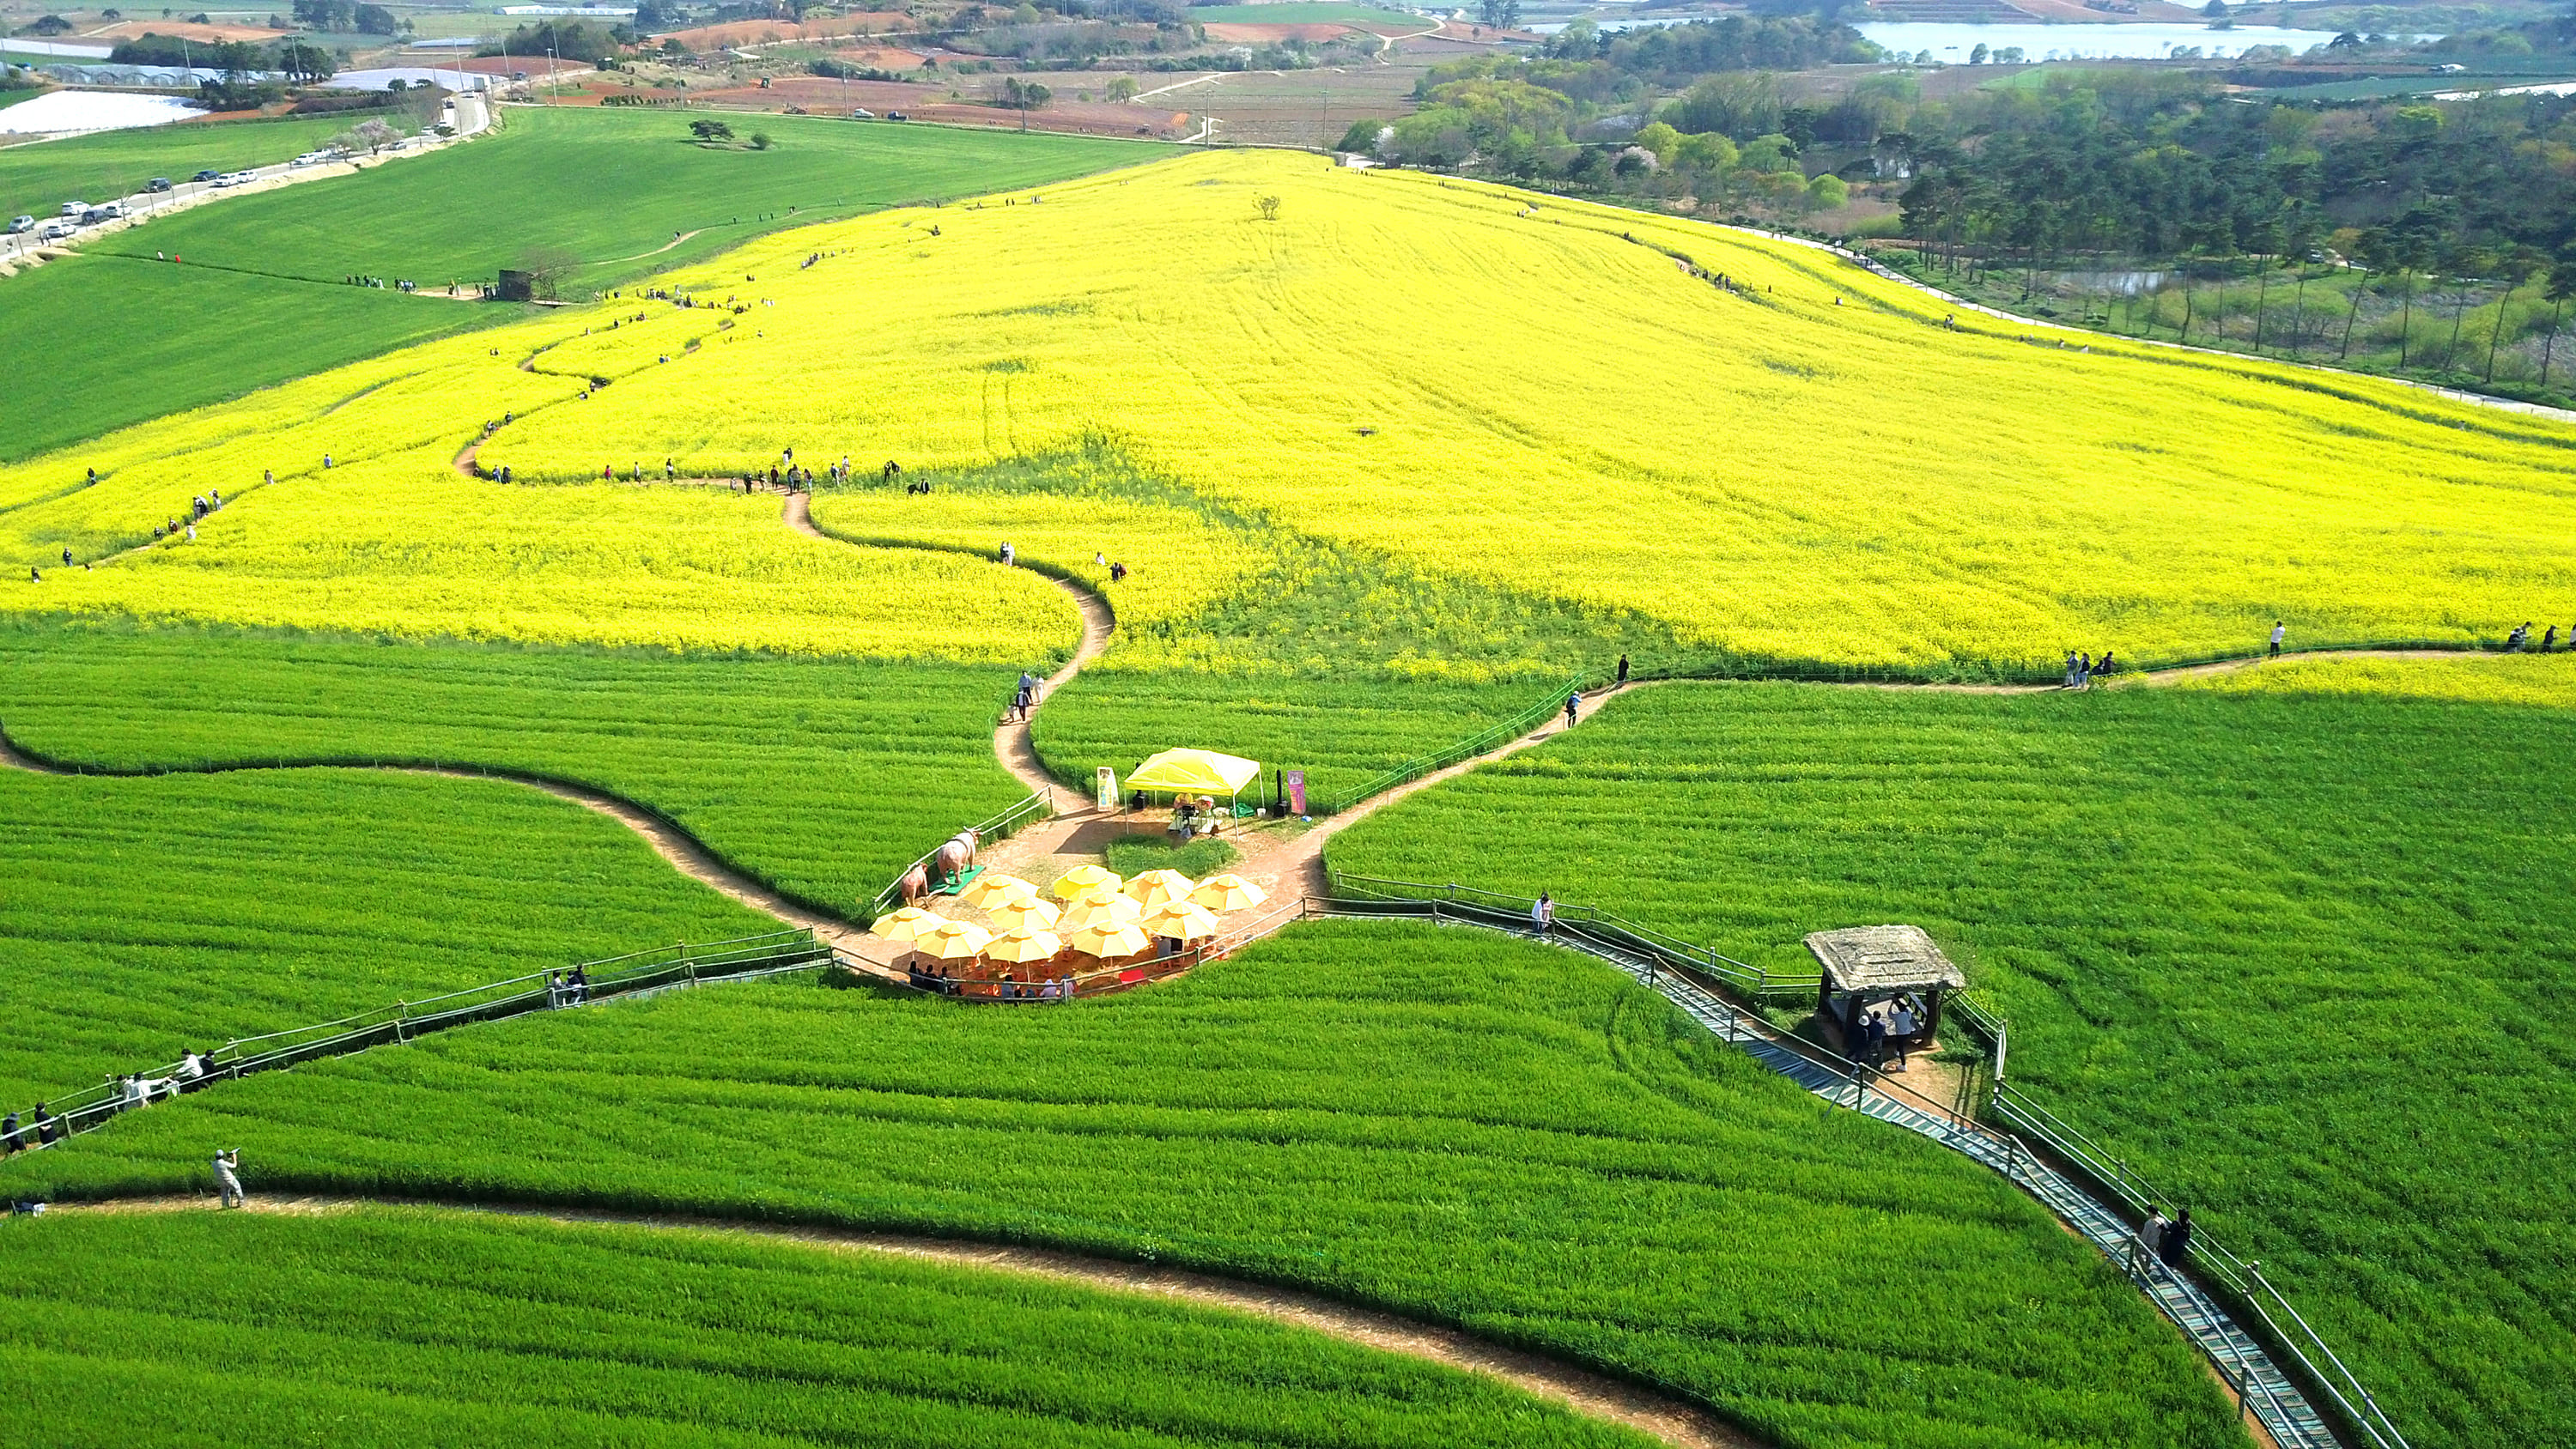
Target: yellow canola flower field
x=392, y=540
x=1543, y=397
x=1559, y=400
x=2546, y=681
x=406, y=548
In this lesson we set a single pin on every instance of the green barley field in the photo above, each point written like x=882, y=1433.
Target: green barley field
x=822, y=778
x=403, y=1328
x=1456, y=1126
x=112, y=165
x=2294, y=958
x=144, y=918
x=139, y=341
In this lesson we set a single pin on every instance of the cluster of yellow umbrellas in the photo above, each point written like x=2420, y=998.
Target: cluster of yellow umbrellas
x=1095, y=912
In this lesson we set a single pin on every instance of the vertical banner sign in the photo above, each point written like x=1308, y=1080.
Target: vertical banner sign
x=1296, y=792
x=1104, y=789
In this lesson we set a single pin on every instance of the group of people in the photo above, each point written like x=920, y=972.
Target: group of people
x=2168, y=1240
x=133, y=1090
x=2520, y=639
x=13, y=1138
x=1025, y=698
x=1191, y=818
x=380, y=284
x=2083, y=669
x=1881, y=1025
x=936, y=977
x=568, y=988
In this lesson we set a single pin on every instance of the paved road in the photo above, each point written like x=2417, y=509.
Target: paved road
x=471, y=114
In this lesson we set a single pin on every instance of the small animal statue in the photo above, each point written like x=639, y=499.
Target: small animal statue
x=914, y=888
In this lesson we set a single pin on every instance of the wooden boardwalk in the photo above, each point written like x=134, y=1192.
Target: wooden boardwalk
x=2268, y=1394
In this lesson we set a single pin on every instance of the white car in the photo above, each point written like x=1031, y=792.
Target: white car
x=312, y=158
x=74, y=208
x=54, y=231
x=863, y=114
x=237, y=178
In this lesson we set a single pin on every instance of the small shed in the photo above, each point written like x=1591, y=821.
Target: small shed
x=1867, y=965
x=516, y=286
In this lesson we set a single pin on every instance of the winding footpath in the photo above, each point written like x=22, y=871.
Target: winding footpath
x=1279, y=860
x=1593, y=1395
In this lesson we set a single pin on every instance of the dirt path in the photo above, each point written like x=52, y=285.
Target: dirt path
x=676, y=239
x=1581, y=1390
x=683, y=853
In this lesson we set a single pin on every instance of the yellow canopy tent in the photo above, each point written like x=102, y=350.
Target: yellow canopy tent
x=1195, y=772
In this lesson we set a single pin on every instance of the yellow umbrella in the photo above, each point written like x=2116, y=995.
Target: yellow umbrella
x=1083, y=878
x=908, y=923
x=952, y=941
x=1026, y=913
x=1182, y=921
x=1108, y=942
x=1028, y=943
x=989, y=891
x=1100, y=908
x=1159, y=888
x=1223, y=893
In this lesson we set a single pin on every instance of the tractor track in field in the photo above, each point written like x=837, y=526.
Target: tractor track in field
x=1583, y=1391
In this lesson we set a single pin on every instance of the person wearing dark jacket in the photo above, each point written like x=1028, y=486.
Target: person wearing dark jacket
x=2174, y=1249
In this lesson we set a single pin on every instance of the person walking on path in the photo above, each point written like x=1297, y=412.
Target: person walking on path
x=228, y=1179
x=1569, y=709
x=2070, y=669
x=10, y=1141
x=48, y=1131
x=2280, y=631
x=2174, y=1251
x=1623, y=671
x=1543, y=913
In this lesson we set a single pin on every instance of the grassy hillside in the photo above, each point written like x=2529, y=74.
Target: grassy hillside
x=146, y=917
x=823, y=778
x=1759, y=470
x=405, y=1328
x=1465, y=1128
x=616, y=184
x=39, y=178
x=121, y=340
x=1790, y=482
x=615, y=187
x=2291, y=957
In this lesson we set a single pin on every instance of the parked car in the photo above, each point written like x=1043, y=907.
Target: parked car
x=74, y=208
x=863, y=114
x=897, y=116
x=54, y=231
x=209, y=174
x=21, y=225
x=97, y=214
x=159, y=183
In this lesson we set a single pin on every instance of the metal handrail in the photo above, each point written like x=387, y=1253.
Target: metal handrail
x=997, y=827
x=1760, y=981
x=2129, y=1190
x=85, y=1108
x=1450, y=754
